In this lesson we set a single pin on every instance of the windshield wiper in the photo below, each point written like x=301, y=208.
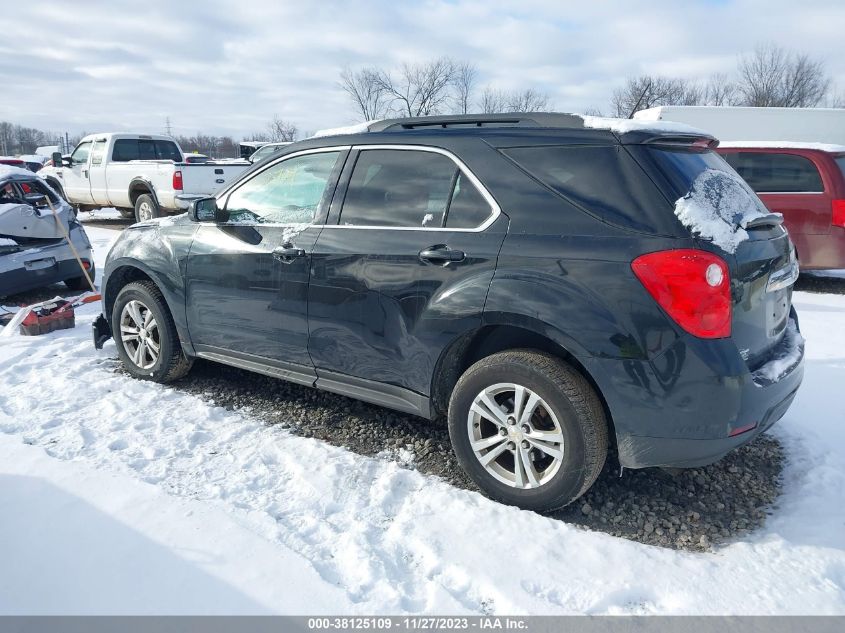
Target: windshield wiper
x=771, y=219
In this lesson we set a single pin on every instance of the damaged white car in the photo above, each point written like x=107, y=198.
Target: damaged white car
x=35, y=228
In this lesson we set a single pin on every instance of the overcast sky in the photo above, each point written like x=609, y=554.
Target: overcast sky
x=228, y=67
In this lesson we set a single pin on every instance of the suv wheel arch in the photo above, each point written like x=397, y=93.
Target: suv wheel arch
x=487, y=340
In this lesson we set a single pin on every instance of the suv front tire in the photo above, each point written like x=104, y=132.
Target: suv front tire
x=528, y=429
x=145, y=334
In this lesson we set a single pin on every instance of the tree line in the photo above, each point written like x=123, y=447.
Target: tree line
x=769, y=76
x=438, y=86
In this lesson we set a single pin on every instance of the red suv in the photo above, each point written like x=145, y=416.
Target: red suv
x=806, y=183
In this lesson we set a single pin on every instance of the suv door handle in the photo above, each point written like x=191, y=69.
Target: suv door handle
x=286, y=254
x=441, y=255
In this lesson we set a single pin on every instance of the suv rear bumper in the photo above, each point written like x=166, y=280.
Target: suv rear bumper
x=696, y=414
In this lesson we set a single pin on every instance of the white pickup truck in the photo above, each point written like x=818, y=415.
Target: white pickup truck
x=144, y=176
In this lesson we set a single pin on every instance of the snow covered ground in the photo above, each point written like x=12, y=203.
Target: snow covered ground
x=119, y=496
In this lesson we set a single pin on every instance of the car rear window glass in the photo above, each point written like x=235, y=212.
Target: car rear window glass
x=603, y=180
x=399, y=188
x=840, y=160
x=776, y=173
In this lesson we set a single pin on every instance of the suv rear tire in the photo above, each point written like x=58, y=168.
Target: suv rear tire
x=547, y=415
x=140, y=320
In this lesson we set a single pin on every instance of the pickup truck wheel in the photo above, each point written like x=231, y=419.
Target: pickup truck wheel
x=528, y=429
x=146, y=208
x=145, y=334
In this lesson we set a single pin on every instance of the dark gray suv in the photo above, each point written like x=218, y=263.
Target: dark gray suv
x=561, y=288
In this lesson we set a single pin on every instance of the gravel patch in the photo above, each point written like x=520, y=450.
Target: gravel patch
x=691, y=509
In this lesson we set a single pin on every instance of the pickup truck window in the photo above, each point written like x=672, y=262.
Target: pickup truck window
x=126, y=149
x=289, y=192
x=80, y=154
x=97, y=152
x=167, y=150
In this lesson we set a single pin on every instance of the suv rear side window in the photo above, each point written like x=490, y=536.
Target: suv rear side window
x=604, y=180
x=414, y=189
x=776, y=173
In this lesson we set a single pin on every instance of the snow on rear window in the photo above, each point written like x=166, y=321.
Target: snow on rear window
x=718, y=207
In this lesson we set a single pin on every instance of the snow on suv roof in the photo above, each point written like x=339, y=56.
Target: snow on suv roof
x=515, y=119
x=823, y=147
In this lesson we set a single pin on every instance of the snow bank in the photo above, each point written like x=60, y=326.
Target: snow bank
x=620, y=126
x=718, y=207
x=192, y=487
x=131, y=548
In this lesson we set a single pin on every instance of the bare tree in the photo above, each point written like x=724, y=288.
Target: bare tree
x=529, y=100
x=493, y=100
x=366, y=92
x=772, y=76
x=463, y=84
x=418, y=89
x=648, y=91
x=281, y=130
x=720, y=90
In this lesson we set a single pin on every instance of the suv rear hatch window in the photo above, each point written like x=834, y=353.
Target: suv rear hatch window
x=718, y=206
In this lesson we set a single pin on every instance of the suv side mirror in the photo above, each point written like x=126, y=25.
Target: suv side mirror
x=204, y=210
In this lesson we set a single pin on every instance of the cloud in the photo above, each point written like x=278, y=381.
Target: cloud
x=227, y=68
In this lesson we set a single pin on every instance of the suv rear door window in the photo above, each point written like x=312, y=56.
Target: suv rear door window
x=413, y=189
x=776, y=173
x=399, y=188
x=468, y=209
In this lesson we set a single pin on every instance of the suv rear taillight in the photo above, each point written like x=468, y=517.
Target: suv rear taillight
x=838, y=209
x=692, y=286
x=177, y=180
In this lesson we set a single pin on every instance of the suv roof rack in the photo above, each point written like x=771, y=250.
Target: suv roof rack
x=522, y=119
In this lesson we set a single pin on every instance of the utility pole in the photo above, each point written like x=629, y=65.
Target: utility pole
x=167, y=127
x=67, y=144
